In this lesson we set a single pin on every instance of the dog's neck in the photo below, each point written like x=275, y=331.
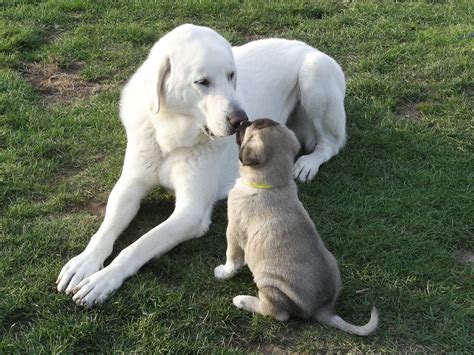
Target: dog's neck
x=257, y=185
x=266, y=177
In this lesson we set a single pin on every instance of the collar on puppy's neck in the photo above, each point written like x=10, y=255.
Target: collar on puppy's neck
x=257, y=185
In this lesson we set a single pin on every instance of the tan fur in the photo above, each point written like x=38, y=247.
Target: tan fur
x=272, y=233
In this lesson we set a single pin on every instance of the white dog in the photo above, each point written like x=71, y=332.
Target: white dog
x=179, y=110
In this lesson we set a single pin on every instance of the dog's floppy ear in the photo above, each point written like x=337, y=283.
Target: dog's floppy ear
x=158, y=68
x=252, y=152
x=248, y=156
x=295, y=145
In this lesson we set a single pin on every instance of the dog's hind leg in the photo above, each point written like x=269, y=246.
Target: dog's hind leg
x=319, y=119
x=254, y=305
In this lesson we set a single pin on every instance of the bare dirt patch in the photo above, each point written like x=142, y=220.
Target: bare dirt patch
x=58, y=85
x=466, y=257
x=273, y=349
x=254, y=37
x=96, y=207
x=267, y=349
x=410, y=111
x=468, y=90
x=68, y=172
x=92, y=206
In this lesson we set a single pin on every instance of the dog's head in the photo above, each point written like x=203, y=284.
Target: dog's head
x=191, y=72
x=265, y=142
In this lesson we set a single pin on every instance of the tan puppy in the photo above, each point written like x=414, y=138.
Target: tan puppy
x=271, y=232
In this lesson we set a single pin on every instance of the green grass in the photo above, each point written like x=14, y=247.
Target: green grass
x=395, y=206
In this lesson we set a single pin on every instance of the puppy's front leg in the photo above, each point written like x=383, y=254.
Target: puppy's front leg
x=234, y=255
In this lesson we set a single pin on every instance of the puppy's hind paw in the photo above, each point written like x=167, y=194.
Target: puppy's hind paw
x=247, y=303
x=239, y=301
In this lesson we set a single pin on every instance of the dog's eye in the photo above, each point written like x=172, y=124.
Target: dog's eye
x=203, y=82
x=231, y=76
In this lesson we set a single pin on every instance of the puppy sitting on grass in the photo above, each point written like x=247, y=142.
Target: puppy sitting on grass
x=271, y=232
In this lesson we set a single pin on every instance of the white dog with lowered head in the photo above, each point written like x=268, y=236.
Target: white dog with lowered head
x=179, y=110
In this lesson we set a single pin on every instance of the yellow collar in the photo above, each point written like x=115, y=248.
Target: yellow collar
x=257, y=185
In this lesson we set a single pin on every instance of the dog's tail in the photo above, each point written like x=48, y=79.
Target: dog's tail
x=332, y=319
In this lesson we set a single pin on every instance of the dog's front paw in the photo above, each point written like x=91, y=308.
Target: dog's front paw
x=222, y=273
x=305, y=168
x=95, y=288
x=76, y=270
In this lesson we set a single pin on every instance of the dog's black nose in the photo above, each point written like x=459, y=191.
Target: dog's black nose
x=236, y=117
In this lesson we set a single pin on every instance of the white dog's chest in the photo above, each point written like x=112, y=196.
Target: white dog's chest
x=197, y=165
x=172, y=159
x=175, y=133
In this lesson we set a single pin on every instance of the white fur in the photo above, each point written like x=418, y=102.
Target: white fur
x=179, y=137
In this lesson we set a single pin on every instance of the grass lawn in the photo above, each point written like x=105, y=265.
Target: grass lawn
x=395, y=207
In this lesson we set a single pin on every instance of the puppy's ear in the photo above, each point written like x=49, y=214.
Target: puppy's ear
x=158, y=67
x=248, y=155
x=295, y=145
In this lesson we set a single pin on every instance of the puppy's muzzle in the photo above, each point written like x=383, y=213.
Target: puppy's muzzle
x=241, y=131
x=236, y=117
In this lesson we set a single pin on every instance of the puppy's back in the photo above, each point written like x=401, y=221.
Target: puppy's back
x=284, y=250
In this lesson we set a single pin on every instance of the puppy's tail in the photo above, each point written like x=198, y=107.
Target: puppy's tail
x=332, y=319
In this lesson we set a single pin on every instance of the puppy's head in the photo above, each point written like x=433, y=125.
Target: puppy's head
x=263, y=142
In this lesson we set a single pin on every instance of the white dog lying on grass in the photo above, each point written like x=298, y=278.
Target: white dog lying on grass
x=179, y=110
